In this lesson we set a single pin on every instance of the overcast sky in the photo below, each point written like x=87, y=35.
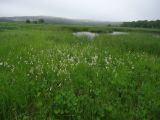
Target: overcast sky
x=105, y=10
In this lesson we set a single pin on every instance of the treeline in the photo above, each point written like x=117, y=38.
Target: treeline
x=142, y=24
x=38, y=21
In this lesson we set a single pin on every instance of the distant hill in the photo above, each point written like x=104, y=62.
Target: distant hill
x=56, y=20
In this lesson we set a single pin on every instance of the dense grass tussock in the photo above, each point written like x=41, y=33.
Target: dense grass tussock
x=46, y=73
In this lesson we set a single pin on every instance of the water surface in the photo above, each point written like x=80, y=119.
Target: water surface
x=118, y=33
x=87, y=34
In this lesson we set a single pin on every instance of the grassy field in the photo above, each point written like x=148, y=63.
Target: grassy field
x=46, y=73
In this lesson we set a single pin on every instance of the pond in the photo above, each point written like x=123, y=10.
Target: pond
x=92, y=35
x=87, y=34
x=118, y=33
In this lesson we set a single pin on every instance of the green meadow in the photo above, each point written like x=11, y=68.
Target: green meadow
x=47, y=73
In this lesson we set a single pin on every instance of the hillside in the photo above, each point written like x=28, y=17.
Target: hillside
x=56, y=20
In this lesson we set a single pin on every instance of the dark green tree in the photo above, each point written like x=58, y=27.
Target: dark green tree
x=41, y=21
x=28, y=21
x=142, y=24
x=35, y=22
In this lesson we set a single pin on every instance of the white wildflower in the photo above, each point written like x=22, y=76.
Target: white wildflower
x=132, y=67
x=106, y=60
x=26, y=62
x=94, y=60
x=31, y=70
x=1, y=63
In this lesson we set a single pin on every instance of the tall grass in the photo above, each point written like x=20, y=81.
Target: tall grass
x=47, y=73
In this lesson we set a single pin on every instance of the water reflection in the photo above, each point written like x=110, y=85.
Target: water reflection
x=87, y=34
x=118, y=33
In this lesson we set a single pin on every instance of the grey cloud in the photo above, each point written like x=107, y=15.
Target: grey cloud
x=107, y=10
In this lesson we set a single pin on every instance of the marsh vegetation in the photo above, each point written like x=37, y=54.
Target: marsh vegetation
x=48, y=73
